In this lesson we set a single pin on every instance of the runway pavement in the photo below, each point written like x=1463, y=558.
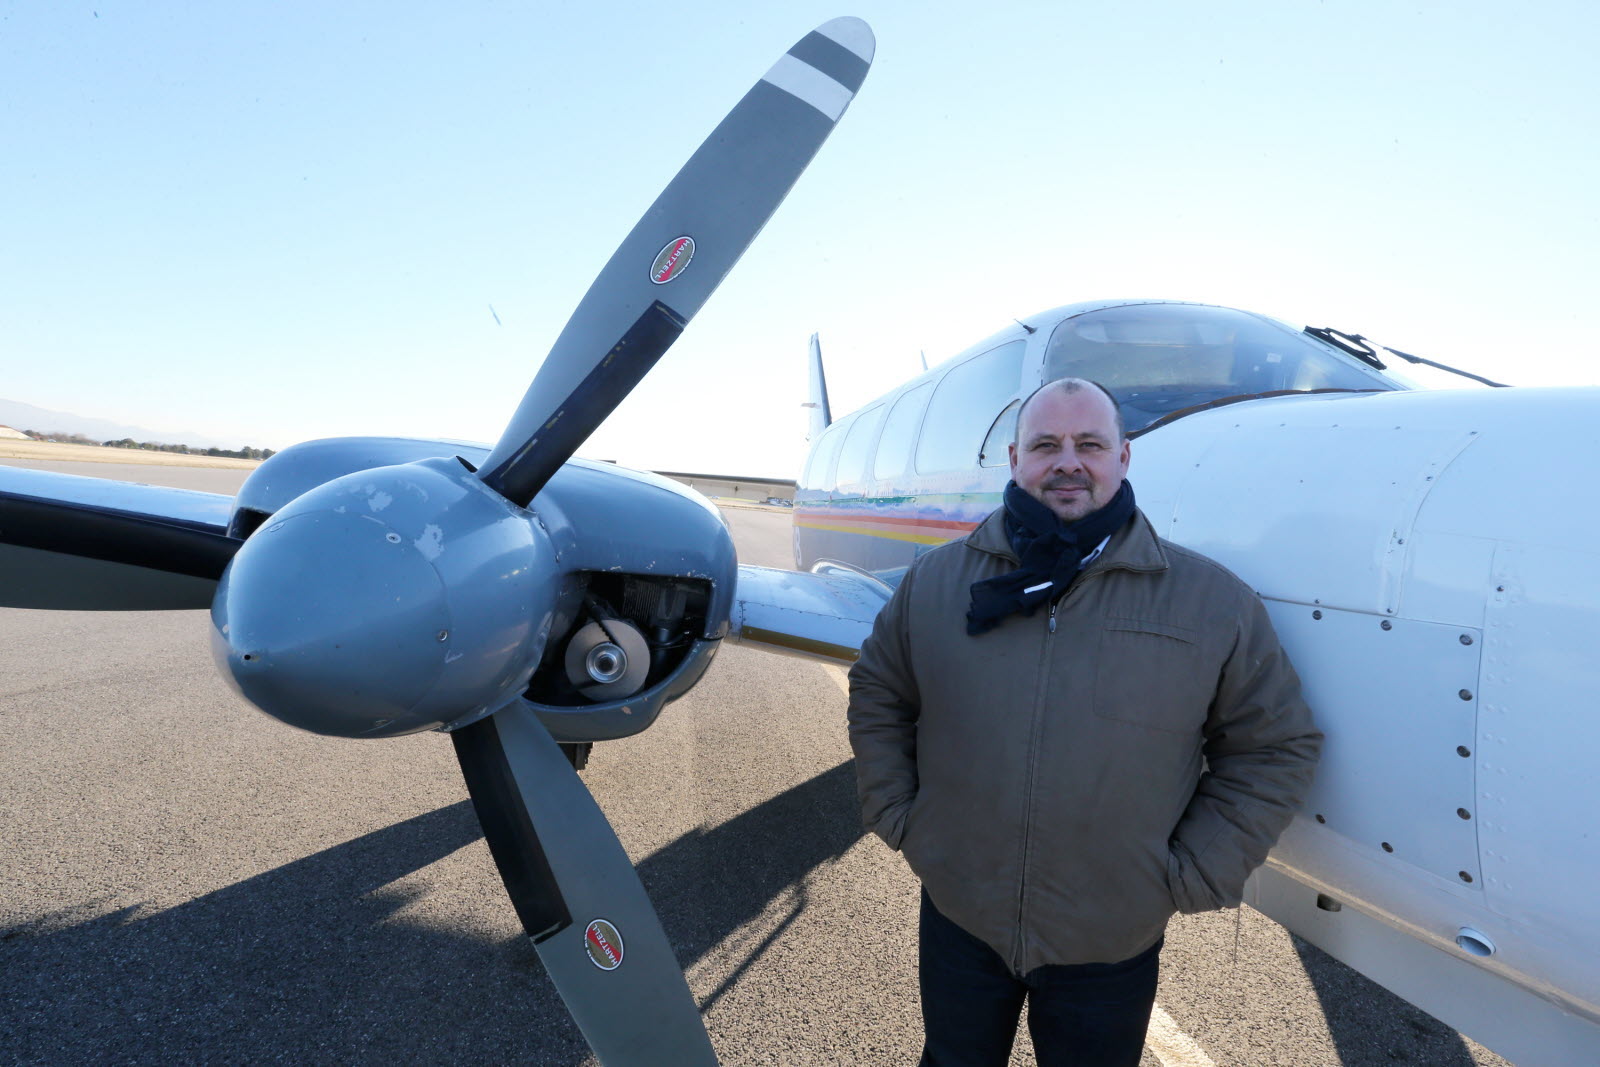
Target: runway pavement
x=186, y=880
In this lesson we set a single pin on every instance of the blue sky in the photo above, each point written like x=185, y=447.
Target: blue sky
x=290, y=220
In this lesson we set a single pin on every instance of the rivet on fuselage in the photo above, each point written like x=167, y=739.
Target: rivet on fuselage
x=1465, y=694
x=1466, y=639
x=1388, y=847
x=1386, y=624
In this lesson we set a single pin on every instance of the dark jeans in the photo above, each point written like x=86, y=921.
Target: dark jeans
x=1080, y=1015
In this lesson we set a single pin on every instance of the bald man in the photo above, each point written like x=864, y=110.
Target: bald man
x=1072, y=729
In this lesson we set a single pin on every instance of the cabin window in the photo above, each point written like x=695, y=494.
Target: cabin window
x=1160, y=358
x=900, y=431
x=853, y=457
x=819, y=469
x=963, y=406
x=1004, y=431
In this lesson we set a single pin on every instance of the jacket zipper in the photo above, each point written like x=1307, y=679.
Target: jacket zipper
x=1019, y=950
x=1027, y=811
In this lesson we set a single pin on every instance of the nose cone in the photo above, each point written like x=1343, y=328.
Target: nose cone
x=332, y=621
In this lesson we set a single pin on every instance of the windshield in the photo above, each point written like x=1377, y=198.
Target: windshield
x=1160, y=358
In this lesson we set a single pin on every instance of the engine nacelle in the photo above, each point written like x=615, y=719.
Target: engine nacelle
x=385, y=602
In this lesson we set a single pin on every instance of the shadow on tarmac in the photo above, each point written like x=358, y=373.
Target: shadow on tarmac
x=306, y=963
x=1370, y=1025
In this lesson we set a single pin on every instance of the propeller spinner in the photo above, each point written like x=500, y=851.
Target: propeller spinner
x=422, y=595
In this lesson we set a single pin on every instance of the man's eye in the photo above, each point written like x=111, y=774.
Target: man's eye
x=1092, y=445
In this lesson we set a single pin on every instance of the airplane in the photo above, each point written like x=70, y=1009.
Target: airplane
x=1426, y=558
x=531, y=604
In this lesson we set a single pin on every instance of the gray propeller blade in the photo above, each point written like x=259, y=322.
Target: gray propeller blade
x=578, y=896
x=679, y=251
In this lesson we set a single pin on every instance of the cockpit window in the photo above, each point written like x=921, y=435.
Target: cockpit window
x=1160, y=358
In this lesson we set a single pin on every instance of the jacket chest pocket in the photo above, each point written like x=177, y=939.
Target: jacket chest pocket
x=1152, y=674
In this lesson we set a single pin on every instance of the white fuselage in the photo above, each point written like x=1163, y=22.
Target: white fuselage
x=1430, y=563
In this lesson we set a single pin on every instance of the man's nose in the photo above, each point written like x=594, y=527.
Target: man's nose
x=1067, y=461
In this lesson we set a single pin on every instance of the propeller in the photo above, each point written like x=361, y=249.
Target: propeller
x=423, y=595
x=680, y=251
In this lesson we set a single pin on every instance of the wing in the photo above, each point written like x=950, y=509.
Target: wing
x=821, y=614
x=92, y=544
x=75, y=543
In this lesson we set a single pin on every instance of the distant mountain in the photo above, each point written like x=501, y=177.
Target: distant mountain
x=22, y=416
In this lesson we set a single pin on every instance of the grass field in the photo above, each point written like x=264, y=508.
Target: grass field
x=63, y=453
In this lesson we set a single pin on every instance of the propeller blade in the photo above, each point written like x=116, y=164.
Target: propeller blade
x=578, y=896
x=679, y=252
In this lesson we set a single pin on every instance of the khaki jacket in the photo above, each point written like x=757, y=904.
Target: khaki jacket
x=1064, y=782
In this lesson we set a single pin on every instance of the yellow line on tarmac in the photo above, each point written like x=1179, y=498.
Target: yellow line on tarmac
x=1172, y=1046
x=840, y=678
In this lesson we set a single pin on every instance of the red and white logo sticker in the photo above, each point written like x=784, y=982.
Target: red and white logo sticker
x=672, y=259
x=604, y=945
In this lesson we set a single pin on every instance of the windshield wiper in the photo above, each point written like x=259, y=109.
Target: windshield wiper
x=1357, y=345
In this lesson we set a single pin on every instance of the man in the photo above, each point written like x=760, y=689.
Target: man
x=1072, y=729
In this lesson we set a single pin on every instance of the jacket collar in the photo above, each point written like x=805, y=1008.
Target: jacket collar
x=1135, y=547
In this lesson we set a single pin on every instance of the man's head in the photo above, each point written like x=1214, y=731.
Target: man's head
x=1070, y=453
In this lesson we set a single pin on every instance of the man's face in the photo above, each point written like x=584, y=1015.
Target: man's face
x=1068, y=455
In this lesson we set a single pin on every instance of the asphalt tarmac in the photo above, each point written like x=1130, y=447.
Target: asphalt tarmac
x=184, y=880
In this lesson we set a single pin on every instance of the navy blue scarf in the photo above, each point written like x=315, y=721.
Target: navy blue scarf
x=1051, y=552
